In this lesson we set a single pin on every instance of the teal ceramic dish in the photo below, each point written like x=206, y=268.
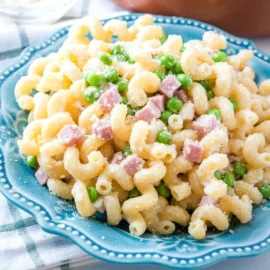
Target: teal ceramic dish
x=93, y=235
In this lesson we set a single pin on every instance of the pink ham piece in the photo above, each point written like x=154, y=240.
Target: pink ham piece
x=192, y=151
x=110, y=98
x=205, y=124
x=148, y=113
x=182, y=95
x=158, y=101
x=208, y=200
x=132, y=164
x=118, y=158
x=169, y=85
x=70, y=135
x=102, y=129
x=41, y=176
x=152, y=110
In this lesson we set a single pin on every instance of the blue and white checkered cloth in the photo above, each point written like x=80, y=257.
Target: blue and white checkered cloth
x=23, y=245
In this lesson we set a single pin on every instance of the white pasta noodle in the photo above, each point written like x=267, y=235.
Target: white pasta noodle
x=138, y=138
x=119, y=127
x=54, y=124
x=82, y=201
x=179, y=189
x=197, y=63
x=198, y=94
x=214, y=41
x=252, y=154
x=226, y=109
x=81, y=171
x=142, y=83
x=241, y=207
x=113, y=209
x=197, y=227
x=240, y=60
x=213, y=187
x=224, y=79
x=117, y=173
x=60, y=188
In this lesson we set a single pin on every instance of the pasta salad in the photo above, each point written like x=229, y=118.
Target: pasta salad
x=148, y=128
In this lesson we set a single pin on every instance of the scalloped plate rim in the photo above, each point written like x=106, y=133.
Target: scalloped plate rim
x=142, y=260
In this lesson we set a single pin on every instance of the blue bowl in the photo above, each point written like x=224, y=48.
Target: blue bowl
x=93, y=235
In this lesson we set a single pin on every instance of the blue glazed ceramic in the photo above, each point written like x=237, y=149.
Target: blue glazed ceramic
x=93, y=235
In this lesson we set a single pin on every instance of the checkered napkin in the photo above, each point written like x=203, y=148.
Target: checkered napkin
x=23, y=245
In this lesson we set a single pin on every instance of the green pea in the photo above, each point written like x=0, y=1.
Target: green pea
x=239, y=169
x=220, y=57
x=167, y=61
x=210, y=94
x=164, y=137
x=106, y=59
x=122, y=85
x=134, y=193
x=215, y=112
x=131, y=61
x=124, y=100
x=182, y=48
x=174, y=104
x=121, y=58
x=163, y=38
x=158, y=57
x=218, y=175
x=91, y=94
x=160, y=74
x=265, y=191
x=127, y=151
x=111, y=75
x=177, y=69
x=163, y=190
x=229, y=179
x=165, y=115
x=206, y=84
x=130, y=111
x=234, y=103
x=92, y=193
x=95, y=79
x=185, y=80
x=32, y=162
x=116, y=49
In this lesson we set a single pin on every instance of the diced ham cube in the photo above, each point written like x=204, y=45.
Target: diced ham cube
x=148, y=113
x=158, y=101
x=169, y=85
x=205, y=124
x=208, y=200
x=193, y=150
x=102, y=129
x=132, y=164
x=110, y=98
x=41, y=176
x=118, y=158
x=182, y=95
x=70, y=135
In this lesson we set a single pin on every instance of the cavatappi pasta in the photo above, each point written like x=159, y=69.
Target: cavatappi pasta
x=149, y=129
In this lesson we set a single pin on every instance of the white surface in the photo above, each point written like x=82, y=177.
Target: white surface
x=261, y=262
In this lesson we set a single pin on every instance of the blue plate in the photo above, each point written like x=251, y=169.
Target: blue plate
x=93, y=235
